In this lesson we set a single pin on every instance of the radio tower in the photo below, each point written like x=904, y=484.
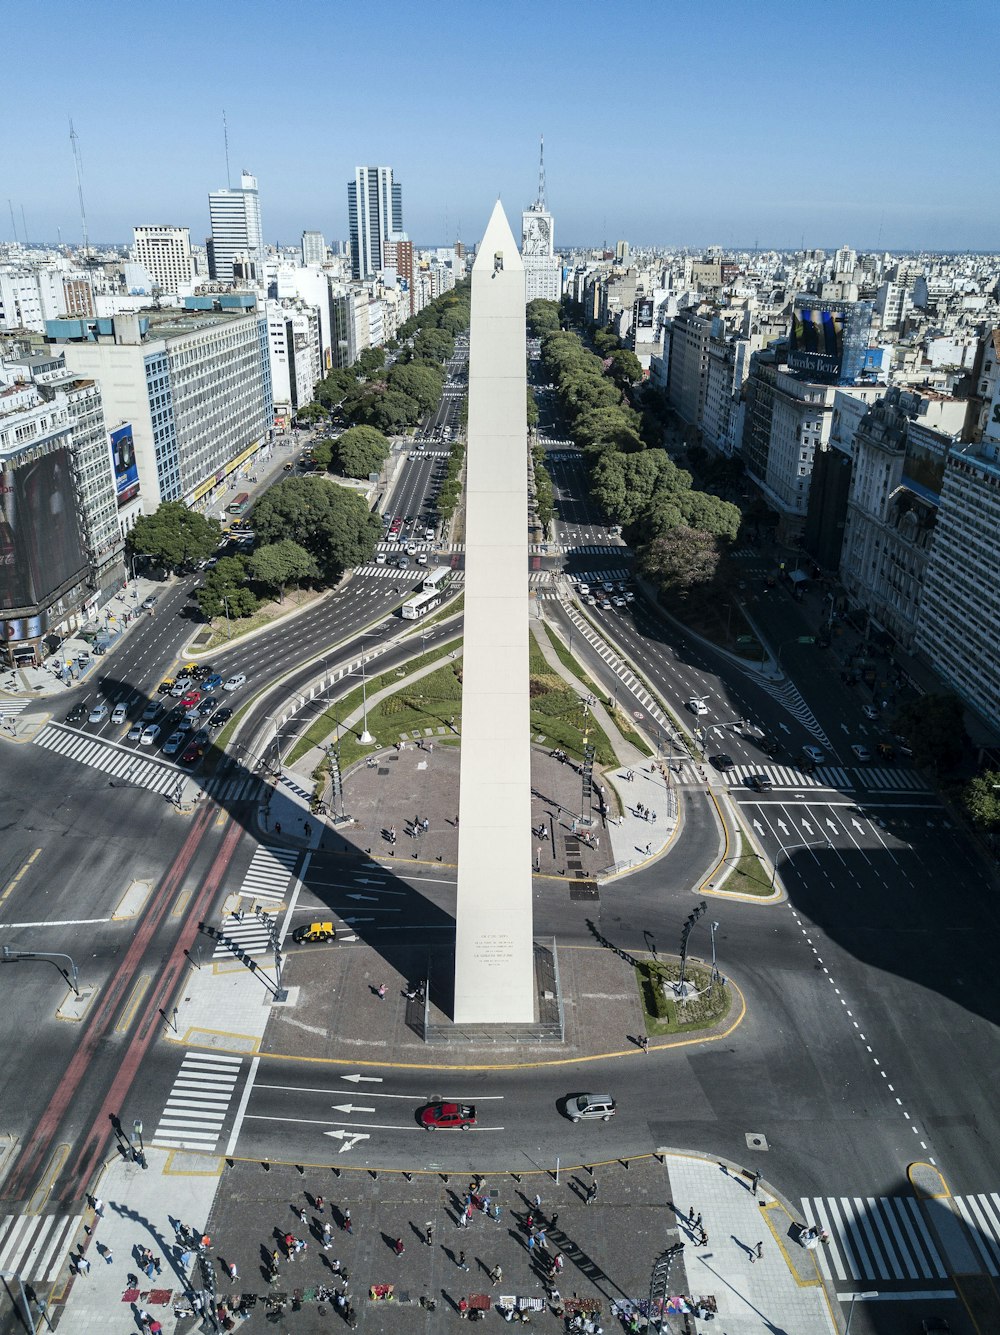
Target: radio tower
x=225, y=135
x=540, y=201
x=79, y=187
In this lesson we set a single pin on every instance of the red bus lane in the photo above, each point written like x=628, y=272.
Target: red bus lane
x=39, y=1144
x=152, y=1019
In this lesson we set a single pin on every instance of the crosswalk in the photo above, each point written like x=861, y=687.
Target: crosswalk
x=400, y=548
x=265, y=884
x=874, y=1238
x=402, y=576
x=36, y=1247
x=834, y=776
x=583, y=549
x=118, y=762
x=9, y=709
x=242, y=787
x=595, y=578
x=198, y=1102
x=789, y=697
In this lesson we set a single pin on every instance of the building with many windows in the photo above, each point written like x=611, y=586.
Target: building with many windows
x=195, y=384
x=313, y=248
x=375, y=213
x=165, y=254
x=236, y=246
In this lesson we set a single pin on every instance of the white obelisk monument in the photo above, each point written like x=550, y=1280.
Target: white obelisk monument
x=494, y=971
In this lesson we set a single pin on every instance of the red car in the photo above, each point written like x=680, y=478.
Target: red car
x=193, y=754
x=192, y=698
x=446, y=1116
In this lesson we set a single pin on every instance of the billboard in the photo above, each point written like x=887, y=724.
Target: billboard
x=124, y=464
x=644, y=315
x=41, y=549
x=817, y=341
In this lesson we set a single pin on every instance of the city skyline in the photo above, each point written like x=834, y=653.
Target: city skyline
x=648, y=137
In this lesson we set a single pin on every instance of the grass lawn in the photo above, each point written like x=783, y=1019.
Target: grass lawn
x=748, y=877
x=622, y=721
x=665, y=1015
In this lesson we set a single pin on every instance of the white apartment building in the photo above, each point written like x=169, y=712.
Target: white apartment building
x=727, y=368
x=958, y=627
x=689, y=336
x=165, y=254
x=893, y=303
x=293, y=338
x=313, y=249
x=194, y=383
x=236, y=247
x=29, y=297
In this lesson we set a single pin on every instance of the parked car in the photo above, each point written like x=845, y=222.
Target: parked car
x=149, y=603
x=591, y=1107
x=166, y=685
x=447, y=1116
x=98, y=714
x=234, y=683
x=119, y=714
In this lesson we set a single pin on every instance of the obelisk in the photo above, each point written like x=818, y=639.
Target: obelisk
x=494, y=973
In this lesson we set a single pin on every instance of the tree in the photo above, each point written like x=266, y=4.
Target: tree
x=370, y=362
x=224, y=590
x=542, y=316
x=174, y=535
x=334, y=385
x=681, y=561
x=934, y=726
x=310, y=412
x=981, y=799
x=280, y=563
x=389, y=411
x=422, y=382
x=361, y=450
x=433, y=345
x=625, y=368
x=605, y=341
x=532, y=408
x=323, y=451
x=331, y=522
x=616, y=426
x=710, y=513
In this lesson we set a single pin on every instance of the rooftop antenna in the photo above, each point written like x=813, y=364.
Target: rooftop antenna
x=13, y=224
x=79, y=187
x=225, y=135
x=540, y=204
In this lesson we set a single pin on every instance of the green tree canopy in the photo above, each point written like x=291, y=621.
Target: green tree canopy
x=625, y=485
x=542, y=316
x=331, y=522
x=278, y=564
x=334, y=385
x=174, y=535
x=433, y=345
x=421, y=381
x=310, y=412
x=370, y=362
x=360, y=450
x=981, y=799
x=710, y=513
x=616, y=426
x=683, y=560
x=625, y=368
x=224, y=590
x=323, y=452
x=605, y=341
x=934, y=726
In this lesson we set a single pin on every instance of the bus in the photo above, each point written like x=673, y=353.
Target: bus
x=438, y=578
x=422, y=604
x=239, y=504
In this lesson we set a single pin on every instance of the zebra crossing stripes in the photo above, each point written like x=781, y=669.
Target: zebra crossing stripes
x=789, y=697
x=242, y=788
x=893, y=780
x=11, y=708
x=874, y=1238
x=982, y=1214
x=787, y=776
x=265, y=882
x=129, y=767
x=595, y=578
x=198, y=1102
x=394, y=573
x=36, y=1246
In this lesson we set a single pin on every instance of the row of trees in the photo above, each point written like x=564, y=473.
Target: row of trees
x=680, y=533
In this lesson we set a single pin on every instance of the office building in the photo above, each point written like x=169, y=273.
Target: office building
x=542, y=267
x=165, y=254
x=375, y=213
x=236, y=246
x=293, y=335
x=687, y=373
x=194, y=383
x=313, y=249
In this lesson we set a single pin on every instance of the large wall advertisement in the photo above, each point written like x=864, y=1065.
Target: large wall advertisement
x=817, y=342
x=40, y=544
x=124, y=463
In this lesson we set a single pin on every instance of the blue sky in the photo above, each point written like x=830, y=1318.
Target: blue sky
x=665, y=123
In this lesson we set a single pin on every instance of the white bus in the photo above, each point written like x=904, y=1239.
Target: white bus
x=421, y=604
x=439, y=578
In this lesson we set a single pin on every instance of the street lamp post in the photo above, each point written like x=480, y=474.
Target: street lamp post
x=225, y=604
x=713, y=927
x=816, y=843
x=865, y=1297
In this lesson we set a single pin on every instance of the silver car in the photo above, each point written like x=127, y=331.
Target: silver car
x=591, y=1107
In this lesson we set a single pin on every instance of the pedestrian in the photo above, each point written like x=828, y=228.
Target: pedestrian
x=275, y=1258
x=301, y=1212
x=289, y=1241
x=82, y=1266
x=425, y=825
x=758, y=1252
x=497, y=1212
x=327, y=1235
x=399, y=1247
x=531, y=1243
x=644, y=1043
x=148, y=1268
x=320, y=1202
x=754, y=1179
x=380, y=991
x=106, y=1253
x=653, y=817
x=496, y=1274
x=540, y=1239
x=538, y=1202
x=392, y=834
x=558, y=1263
x=234, y=1274
x=649, y=848
x=592, y=1193
x=348, y=1224
x=98, y=1205
x=308, y=829
x=554, y=1220
x=157, y=1264
x=703, y=1240
x=463, y=1308
x=462, y=1262
x=697, y=1224
x=277, y=827
x=301, y=1246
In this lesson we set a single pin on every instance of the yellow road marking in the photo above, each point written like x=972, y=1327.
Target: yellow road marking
x=14, y=879
x=139, y=989
x=41, y=1193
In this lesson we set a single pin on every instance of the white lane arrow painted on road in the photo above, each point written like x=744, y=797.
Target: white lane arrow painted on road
x=857, y=824
x=352, y=921
x=349, y=1108
x=782, y=826
x=832, y=824
x=758, y=827
x=845, y=728
x=369, y=899
x=368, y=880
x=806, y=826
x=368, y=1079
x=784, y=727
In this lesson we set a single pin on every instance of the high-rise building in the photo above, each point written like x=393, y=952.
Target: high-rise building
x=313, y=248
x=165, y=254
x=542, y=267
x=236, y=246
x=375, y=213
x=398, y=255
